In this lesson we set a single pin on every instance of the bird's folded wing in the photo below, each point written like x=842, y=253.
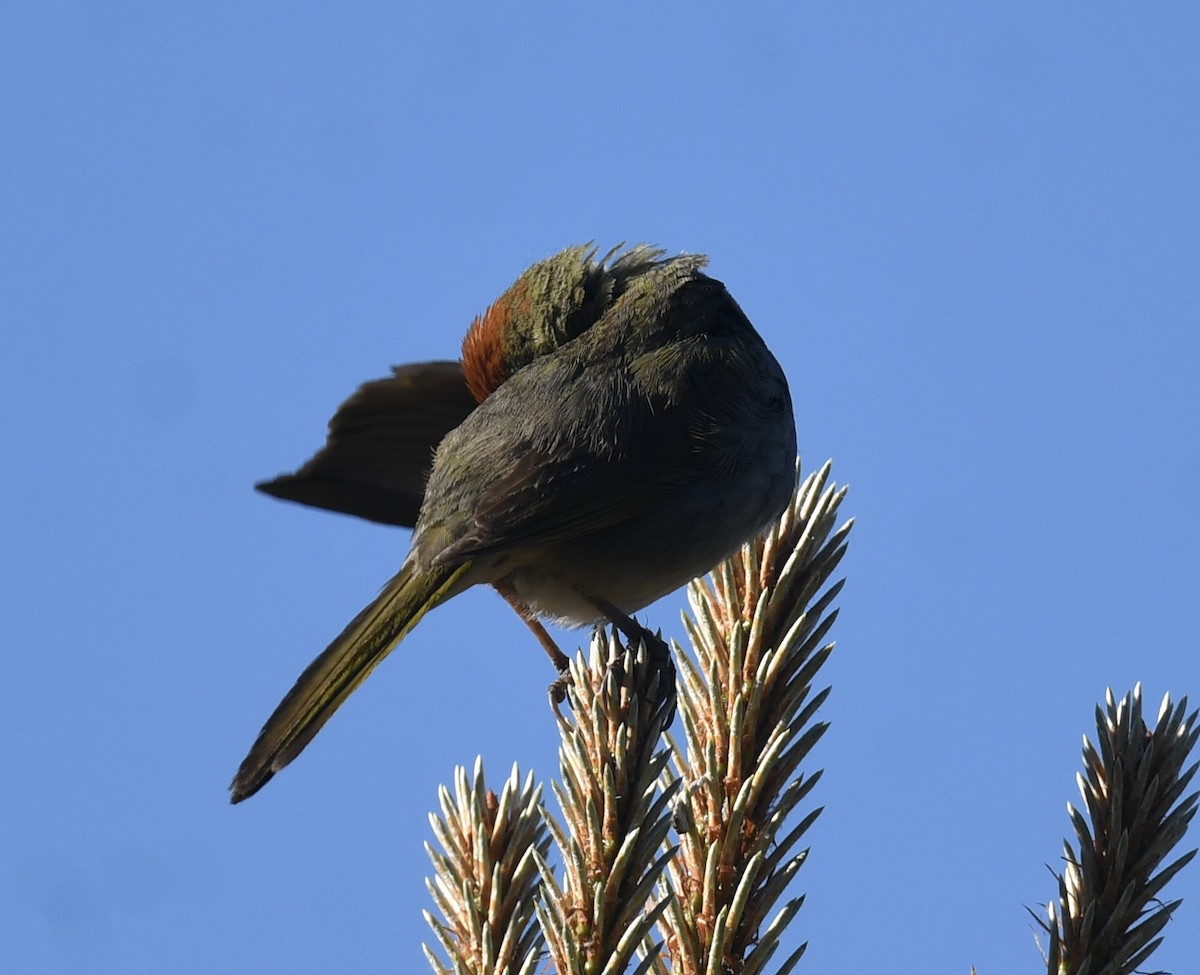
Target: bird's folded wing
x=547, y=496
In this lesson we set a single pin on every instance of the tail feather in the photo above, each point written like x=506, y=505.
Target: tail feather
x=344, y=664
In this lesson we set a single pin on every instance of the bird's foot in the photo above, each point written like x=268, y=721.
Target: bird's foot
x=657, y=652
x=557, y=692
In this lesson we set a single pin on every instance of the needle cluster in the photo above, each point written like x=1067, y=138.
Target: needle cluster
x=486, y=875
x=1108, y=918
x=758, y=634
x=615, y=816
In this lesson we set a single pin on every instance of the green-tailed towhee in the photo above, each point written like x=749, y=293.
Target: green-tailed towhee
x=615, y=429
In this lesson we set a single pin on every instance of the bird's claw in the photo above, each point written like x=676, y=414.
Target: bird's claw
x=557, y=692
x=659, y=657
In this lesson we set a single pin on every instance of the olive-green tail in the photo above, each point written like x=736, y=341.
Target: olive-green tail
x=345, y=664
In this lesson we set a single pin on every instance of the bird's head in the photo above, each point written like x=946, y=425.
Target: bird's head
x=550, y=304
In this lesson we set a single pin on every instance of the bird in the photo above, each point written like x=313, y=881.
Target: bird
x=615, y=428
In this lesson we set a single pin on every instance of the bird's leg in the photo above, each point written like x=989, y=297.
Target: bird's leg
x=630, y=628
x=560, y=660
x=558, y=687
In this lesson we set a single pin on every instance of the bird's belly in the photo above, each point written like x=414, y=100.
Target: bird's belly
x=633, y=564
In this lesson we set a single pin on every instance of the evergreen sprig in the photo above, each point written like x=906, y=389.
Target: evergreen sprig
x=615, y=817
x=1108, y=919
x=486, y=876
x=758, y=631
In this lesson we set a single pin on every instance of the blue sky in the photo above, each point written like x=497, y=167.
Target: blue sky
x=970, y=232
